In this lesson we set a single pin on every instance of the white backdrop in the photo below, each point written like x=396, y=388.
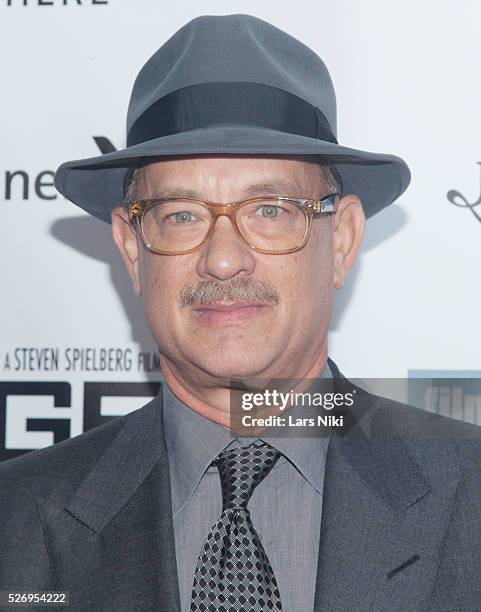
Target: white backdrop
x=407, y=78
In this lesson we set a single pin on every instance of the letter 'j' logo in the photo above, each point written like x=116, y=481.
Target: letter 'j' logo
x=457, y=198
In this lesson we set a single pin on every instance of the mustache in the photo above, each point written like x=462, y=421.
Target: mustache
x=237, y=290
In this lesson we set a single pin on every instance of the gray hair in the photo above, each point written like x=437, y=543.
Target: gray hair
x=331, y=177
x=328, y=173
x=132, y=190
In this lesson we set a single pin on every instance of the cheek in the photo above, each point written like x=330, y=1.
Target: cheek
x=160, y=283
x=307, y=274
x=321, y=255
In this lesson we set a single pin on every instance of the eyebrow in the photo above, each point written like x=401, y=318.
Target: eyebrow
x=264, y=188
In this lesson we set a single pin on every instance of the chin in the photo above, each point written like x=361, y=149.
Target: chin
x=240, y=365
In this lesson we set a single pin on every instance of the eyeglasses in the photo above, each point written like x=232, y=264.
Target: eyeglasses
x=267, y=224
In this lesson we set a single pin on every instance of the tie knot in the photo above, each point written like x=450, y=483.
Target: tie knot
x=241, y=470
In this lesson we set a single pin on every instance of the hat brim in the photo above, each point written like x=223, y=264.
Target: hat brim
x=96, y=184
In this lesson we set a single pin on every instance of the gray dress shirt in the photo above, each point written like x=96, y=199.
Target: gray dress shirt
x=285, y=508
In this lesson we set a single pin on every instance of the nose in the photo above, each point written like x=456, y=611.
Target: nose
x=225, y=255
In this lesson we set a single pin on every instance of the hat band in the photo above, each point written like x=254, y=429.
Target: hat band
x=230, y=103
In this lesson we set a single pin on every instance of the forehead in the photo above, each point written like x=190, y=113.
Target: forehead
x=235, y=173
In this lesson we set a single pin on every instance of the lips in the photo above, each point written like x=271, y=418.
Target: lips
x=219, y=314
x=226, y=307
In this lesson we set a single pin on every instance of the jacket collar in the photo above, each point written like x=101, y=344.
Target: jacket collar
x=122, y=468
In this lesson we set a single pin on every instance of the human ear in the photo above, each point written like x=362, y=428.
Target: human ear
x=126, y=240
x=349, y=225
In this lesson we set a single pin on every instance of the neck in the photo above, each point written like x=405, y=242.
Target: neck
x=213, y=402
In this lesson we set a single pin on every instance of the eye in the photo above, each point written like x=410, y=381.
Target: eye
x=184, y=216
x=270, y=211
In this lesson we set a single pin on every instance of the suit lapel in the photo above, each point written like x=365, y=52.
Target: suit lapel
x=383, y=521
x=112, y=545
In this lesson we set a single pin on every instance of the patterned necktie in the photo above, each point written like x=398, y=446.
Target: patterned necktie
x=233, y=573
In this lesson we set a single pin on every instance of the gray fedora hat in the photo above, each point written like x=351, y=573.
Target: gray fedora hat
x=231, y=84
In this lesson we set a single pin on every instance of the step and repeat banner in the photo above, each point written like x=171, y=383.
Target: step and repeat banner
x=74, y=347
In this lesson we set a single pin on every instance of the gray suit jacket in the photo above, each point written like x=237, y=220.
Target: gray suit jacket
x=401, y=521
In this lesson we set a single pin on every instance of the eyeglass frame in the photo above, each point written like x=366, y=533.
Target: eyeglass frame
x=310, y=207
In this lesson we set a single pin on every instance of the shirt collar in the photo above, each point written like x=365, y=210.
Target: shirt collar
x=193, y=442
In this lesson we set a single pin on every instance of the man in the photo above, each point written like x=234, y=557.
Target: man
x=236, y=213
